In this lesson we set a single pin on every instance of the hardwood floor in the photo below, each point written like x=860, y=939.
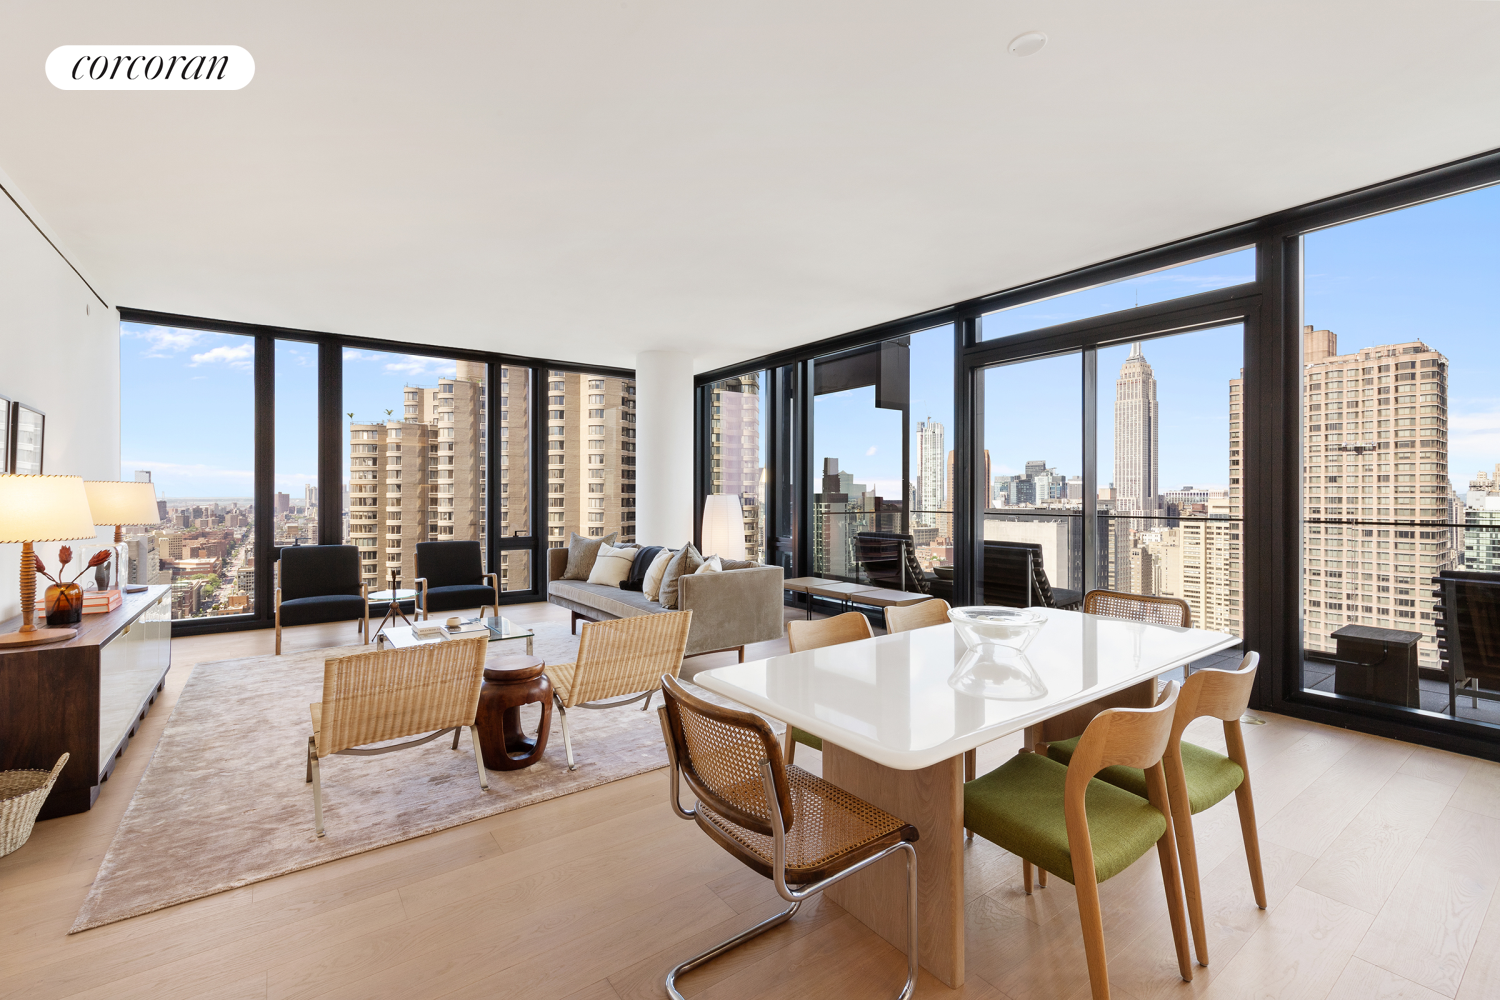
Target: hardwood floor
x=1380, y=863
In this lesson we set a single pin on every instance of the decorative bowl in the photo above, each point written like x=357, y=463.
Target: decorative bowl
x=992, y=626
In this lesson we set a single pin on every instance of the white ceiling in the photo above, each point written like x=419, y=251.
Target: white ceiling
x=584, y=180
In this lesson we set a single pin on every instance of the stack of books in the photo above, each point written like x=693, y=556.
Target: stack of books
x=98, y=602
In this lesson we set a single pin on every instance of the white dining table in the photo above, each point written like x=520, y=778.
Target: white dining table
x=897, y=713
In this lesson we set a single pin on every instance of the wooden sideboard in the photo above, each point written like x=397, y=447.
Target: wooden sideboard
x=86, y=696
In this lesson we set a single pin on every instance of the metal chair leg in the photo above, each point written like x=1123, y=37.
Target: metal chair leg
x=567, y=738
x=317, y=783
x=719, y=949
x=484, y=779
x=647, y=704
x=456, y=731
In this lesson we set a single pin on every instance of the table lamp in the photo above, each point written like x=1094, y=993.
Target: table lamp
x=723, y=526
x=121, y=504
x=40, y=509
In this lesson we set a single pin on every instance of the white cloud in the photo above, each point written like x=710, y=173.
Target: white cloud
x=1474, y=433
x=178, y=469
x=240, y=356
x=413, y=366
x=160, y=339
x=870, y=451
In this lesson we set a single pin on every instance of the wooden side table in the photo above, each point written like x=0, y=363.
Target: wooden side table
x=509, y=683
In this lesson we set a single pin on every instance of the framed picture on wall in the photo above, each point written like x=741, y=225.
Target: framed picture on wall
x=4, y=434
x=27, y=430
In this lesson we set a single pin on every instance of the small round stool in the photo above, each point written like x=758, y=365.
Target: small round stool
x=509, y=683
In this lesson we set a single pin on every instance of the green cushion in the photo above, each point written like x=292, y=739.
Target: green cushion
x=1210, y=776
x=1019, y=806
x=806, y=738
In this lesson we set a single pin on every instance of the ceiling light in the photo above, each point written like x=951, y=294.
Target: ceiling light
x=1028, y=44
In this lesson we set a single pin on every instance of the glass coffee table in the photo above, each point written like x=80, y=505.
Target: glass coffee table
x=495, y=629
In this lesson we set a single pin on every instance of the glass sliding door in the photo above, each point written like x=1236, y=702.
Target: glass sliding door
x=1401, y=456
x=514, y=500
x=1170, y=486
x=882, y=459
x=737, y=451
x=1030, y=466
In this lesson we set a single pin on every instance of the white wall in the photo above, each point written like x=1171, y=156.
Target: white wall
x=664, y=448
x=62, y=360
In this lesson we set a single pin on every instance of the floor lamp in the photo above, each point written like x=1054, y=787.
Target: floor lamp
x=40, y=509
x=723, y=531
x=120, y=504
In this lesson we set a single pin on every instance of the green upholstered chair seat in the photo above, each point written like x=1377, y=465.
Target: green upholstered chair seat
x=807, y=739
x=1019, y=806
x=1210, y=776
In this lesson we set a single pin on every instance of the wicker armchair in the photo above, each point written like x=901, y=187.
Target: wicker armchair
x=780, y=821
x=622, y=659
x=815, y=634
x=386, y=695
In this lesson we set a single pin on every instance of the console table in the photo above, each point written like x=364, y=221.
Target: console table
x=86, y=696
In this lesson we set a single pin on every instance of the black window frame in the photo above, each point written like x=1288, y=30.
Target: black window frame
x=1271, y=425
x=331, y=458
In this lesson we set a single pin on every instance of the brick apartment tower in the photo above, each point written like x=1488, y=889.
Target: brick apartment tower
x=590, y=457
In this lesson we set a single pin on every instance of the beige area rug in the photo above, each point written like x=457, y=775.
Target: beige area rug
x=224, y=802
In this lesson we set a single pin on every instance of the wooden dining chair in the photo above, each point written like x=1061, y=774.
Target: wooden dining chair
x=620, y=660
x=779, y=821
x=924, y=615
x=1065, y=820
x=1198, y=778
x=815, y=634
x=389, y=694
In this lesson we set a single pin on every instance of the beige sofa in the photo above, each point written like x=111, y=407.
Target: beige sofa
x=730, y=609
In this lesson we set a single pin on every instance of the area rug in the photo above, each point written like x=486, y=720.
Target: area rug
x=224, y=802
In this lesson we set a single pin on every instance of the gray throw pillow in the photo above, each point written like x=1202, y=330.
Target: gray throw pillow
x=581, y=555
x=684, y=563
x=729, y=564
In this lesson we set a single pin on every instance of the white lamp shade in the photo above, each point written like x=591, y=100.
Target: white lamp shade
x=44, y=509
x=723, y=526
x=122, y=503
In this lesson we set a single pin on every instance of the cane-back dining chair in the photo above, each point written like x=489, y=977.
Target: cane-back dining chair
x=1063, y=819
x=778, y=820
x=815, y=634
x=1138, y=607
x=924, y=615
x=389, y=694
x=1198, y=777
x=623, y=660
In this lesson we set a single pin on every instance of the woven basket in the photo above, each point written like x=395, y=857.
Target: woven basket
x=21, y=796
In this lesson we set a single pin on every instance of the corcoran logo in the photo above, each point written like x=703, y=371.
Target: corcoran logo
x=149, y=67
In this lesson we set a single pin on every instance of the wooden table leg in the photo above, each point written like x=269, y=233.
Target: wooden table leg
x=932, y=800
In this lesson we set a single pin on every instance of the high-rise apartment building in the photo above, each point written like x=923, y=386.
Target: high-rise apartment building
x=590, y=458
x=736, y=457
x=1377, y=493
x=1136, y=486
x=930, y=479
x=420, y=478
x=1482, y=535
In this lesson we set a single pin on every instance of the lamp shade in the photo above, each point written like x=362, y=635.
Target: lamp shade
x=723, y=526
x=44, y=509
x=122, y=503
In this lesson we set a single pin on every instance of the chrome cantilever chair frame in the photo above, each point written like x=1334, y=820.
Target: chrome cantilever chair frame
x=778, y=871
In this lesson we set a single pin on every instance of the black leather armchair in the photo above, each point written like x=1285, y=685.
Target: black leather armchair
x=319, y=583
x=451, y=577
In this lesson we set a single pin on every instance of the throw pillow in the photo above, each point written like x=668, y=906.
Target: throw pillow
x=684, y=563
x=581, y=555
x=729, y=564
x=638, y=567
x=711, y=565
x=651, y=585
x=612, y=565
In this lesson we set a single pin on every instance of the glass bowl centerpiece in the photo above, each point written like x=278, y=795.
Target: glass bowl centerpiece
x=980, y=627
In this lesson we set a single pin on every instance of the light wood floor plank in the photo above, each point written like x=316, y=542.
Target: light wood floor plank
x=1297, y=955
x=1311, y=821
x=1363, y=981
x=1427, y=928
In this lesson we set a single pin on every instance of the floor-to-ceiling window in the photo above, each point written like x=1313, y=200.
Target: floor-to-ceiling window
x=187, y=404
x=1401, y=451
x=589, y=456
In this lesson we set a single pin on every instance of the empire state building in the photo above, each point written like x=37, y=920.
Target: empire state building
x=1136, y=437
